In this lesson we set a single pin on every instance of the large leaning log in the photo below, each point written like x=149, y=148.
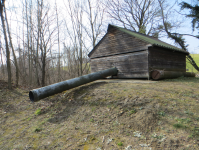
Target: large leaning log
x=161, y=74
x=189, y=74
x=38, y=94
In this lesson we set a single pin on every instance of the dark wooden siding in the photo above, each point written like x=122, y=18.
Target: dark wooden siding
x=131, y=65
x=116, y=42
x=168, y=60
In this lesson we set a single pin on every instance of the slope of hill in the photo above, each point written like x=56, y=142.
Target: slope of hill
x=151, y=115
x=189, y=67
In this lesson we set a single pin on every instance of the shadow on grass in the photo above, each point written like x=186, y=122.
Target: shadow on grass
x=71, y=102
x=183, y=79
x=16, y=92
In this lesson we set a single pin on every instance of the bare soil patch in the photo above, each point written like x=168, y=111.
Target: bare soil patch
x=104, y=115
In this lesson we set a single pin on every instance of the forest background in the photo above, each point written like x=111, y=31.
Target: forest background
x=44, y=42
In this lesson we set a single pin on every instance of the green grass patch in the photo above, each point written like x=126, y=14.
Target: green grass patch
x=29, y=118
x=133, y=111
x=93, y=109
x=92, y=120
x=178, y=125
x=189, y=67
x=161, y=113
x=120, y=144
x=38, y=111
x=37, y=130
x=184, y=120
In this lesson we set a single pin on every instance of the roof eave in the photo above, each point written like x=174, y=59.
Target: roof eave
x=174, y=49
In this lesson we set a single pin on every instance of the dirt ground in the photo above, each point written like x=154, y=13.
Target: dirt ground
x=117, y=115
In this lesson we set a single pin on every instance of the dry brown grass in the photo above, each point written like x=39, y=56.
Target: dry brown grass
x=161, y=115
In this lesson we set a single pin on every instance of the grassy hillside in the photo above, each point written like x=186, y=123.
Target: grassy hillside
x=97, y=116
x=189, y=66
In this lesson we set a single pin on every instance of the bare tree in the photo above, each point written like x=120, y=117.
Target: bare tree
x=59, y=75
x=2, y=64
x=28, y=43
x=39, y=14
x=75, y=11
x=178, y=38
x=45, y=37
x=13, y=51
x=96, y=16
x=2, y=7
x=139, y=15
x=84, y=27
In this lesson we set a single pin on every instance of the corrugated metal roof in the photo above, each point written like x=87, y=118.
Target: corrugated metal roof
x=148, y=39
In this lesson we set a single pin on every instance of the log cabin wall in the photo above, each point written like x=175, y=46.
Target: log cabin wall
x=130, y=65
x=134, y=54
x=165, y=59
x=127, y=53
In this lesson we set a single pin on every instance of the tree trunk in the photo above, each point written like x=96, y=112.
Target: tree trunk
x=7, y=48
x=43, y=66
x=24, y=58
x=15, y=58
x=38, y=36
x=43, y=56
x=31, y=44
x=59, y=66
x=2, y=65
x=28, y=45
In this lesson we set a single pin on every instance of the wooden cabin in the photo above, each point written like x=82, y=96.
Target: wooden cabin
x=135, y=55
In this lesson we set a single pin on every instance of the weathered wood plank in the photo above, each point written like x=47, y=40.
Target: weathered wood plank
x=117, y=42
x=168, y=60
x=141, y=75
x=131, y=65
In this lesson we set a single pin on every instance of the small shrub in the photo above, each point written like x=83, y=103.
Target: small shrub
x=38, y=129
x=29, y=118
x=141, y=108
x=178, y=125
x=133, y=111
x=43, y=122
x=120, y=144
x=187, y=120
x=161, y=113
x=195, y=132
x=191, y=136
x=93, y=109
x=38, y=111
x=92, y=120
x=154, y=135
x=92, y=138
x=109, y=106
x=188, y=113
